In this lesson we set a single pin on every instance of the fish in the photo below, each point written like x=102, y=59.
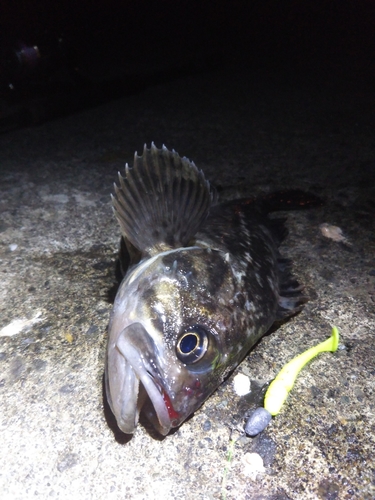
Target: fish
x=205, y=281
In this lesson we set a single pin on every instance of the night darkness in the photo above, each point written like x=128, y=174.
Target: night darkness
x=59, y=57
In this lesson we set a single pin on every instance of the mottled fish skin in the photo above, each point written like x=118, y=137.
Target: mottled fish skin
x=186, y=314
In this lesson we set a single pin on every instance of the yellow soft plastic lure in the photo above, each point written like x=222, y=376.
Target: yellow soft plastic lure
x=283, y=383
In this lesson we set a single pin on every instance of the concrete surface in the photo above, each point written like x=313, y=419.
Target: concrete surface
x=58, y=242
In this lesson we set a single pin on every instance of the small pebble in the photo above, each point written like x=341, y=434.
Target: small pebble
x=207, y=425
x=13, y=247
x=257, y=422
x=241, y=384
x=332, y=232
x=68, y=337
x=253, y=465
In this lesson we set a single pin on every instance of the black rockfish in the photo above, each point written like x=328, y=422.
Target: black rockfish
x=206, y=281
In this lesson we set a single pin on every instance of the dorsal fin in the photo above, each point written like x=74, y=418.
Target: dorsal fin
x=162, y=201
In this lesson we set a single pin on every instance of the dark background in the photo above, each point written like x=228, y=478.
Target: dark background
x=59, y=57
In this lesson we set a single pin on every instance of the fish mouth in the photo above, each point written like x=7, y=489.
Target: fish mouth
x=141, y=389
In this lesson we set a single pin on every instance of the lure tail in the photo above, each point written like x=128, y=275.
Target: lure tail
x=281, y=386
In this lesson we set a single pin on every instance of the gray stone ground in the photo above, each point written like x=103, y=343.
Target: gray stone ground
x=58, y=243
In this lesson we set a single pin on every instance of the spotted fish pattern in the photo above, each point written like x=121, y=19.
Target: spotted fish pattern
x=205, y=283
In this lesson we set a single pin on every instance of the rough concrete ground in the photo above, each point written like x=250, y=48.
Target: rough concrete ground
x=58, y=243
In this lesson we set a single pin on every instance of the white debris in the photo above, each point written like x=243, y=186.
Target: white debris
x=13, y=247
x=17, y=325
x=252, y=465
x=55, y=198
x=241, y=384
x=333, y=232
x=84, y=199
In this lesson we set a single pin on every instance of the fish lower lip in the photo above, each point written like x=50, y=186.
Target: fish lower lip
x=155, y=393
x=130, y=408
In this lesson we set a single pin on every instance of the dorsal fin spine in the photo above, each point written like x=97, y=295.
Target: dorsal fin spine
x=162, y=201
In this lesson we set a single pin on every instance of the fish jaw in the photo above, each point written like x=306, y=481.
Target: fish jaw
x=137, y=378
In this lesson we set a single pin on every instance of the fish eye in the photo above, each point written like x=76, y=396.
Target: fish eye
x=192, y=345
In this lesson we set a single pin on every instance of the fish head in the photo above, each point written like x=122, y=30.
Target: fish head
x=169, y=345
